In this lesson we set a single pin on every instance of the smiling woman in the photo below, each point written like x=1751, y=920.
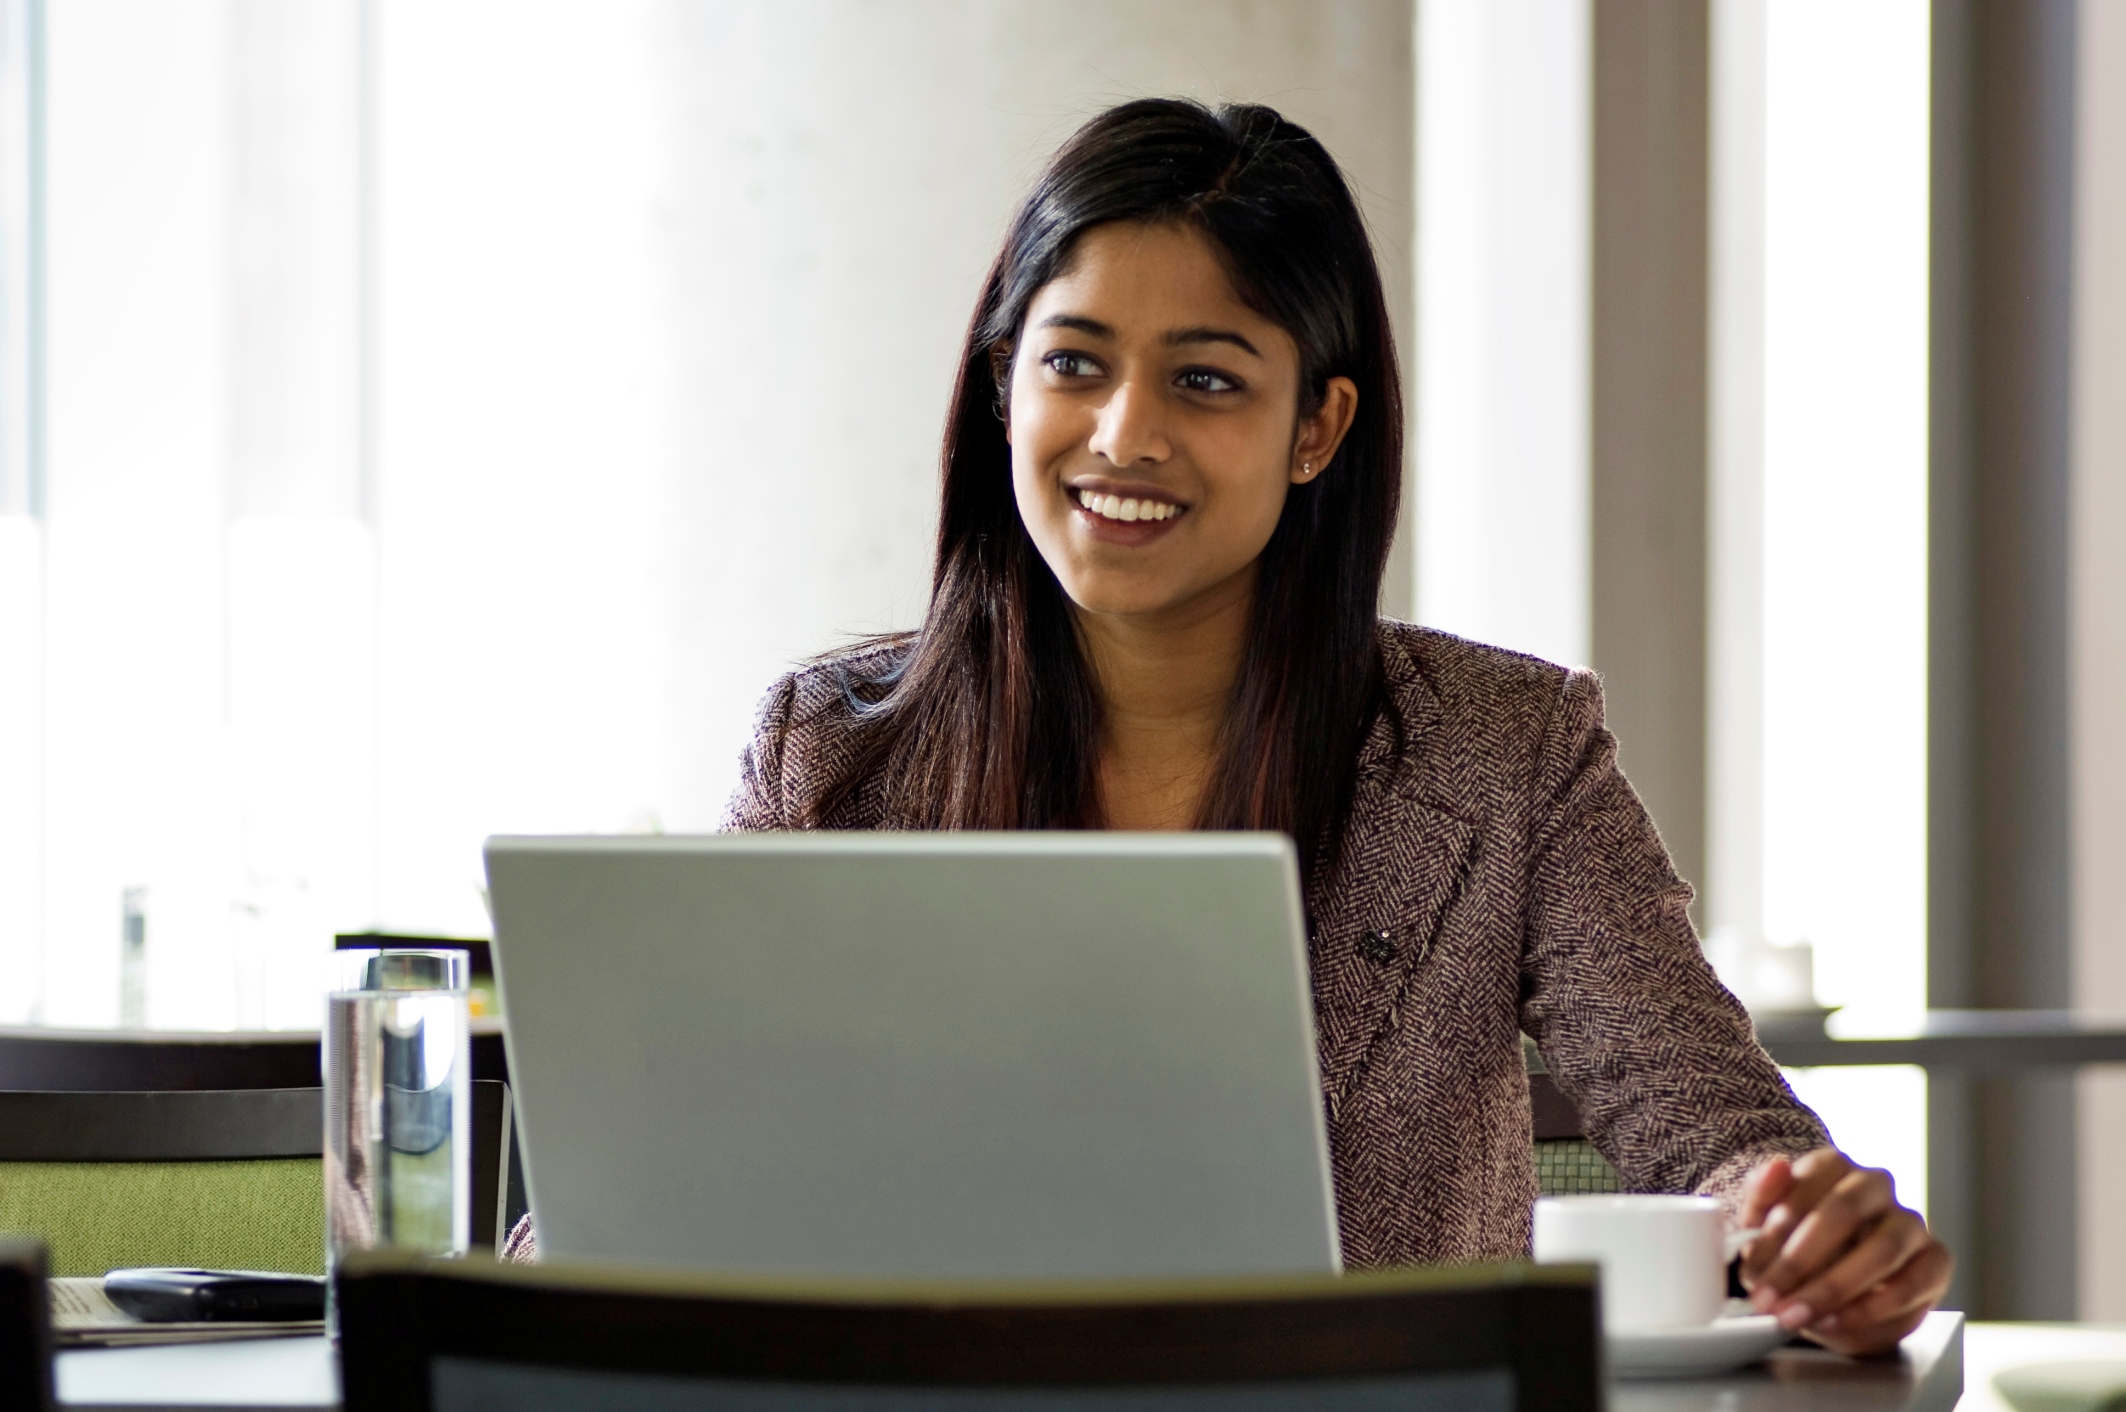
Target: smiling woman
x=1170, y=478
x=1186, y=312
x=1151, y=458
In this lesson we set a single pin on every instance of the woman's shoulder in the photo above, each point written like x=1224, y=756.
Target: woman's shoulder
x=807, y=732
x=1469, y=708
x=829, y=691
x=1427, y=666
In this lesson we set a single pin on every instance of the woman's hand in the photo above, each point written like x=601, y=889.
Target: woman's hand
x=1839, y=1259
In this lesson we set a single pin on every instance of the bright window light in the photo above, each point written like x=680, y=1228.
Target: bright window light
x=1845, y=492
x=1501, y=425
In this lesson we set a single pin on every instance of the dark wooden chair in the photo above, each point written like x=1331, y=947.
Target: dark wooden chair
x=25, y=1327
x=135, y=1061
x=139, y=1061
x=419, y=1334
x=221, y=1178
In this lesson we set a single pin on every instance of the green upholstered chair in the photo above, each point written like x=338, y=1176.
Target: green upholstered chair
x=213, y=1178
x=1570, y=1166
x=217, y=1178
x=1566, y=1163
x=462, y=1334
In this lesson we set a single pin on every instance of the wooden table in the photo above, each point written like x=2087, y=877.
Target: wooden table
x=1971, y=1041
x=300, y=1375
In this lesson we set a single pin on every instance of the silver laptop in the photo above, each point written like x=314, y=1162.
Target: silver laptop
x=1024, y=1054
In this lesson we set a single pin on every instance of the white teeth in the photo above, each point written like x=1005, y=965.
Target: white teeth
x=1114, y=507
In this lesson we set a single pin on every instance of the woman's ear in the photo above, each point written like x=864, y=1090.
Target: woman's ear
x=1323, y=432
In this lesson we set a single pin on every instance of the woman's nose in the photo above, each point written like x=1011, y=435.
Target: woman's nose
x=1131, y=429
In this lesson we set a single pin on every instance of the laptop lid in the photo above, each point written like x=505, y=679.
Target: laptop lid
x=1044, y=1054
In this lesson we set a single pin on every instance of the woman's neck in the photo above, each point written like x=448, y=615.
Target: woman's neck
x=1164, y=682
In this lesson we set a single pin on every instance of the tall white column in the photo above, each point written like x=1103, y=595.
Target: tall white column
x=2097, y=637
x=21, y=768
x=1503, y=530
x=1735, y=647
x=21, y=527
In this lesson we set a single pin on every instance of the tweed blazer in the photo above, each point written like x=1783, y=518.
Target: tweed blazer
x=1498, y=875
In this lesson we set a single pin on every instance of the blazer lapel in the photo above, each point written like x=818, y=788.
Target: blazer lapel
x=1375, y=926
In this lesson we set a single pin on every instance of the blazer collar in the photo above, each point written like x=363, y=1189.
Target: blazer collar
x=1389, y=750
x=1377, y=920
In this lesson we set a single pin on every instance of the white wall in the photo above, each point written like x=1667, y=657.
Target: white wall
x=2097, y=636
x=356, y=554
x=1504, y=162
x=135, y=749
x=203, y=680
x=665, y=372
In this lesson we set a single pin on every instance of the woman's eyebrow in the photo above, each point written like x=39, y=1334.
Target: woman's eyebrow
x=1079, y=322
x=1210, y=335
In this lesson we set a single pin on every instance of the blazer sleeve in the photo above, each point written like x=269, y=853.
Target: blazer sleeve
x=1637, y=1031
x=761, y=801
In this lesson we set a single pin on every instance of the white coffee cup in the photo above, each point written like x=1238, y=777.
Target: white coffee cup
x=1663, y=1258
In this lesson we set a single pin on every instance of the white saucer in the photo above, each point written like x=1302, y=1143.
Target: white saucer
x=1719, y=1347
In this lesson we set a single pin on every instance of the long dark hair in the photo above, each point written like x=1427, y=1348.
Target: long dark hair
x=988, y=716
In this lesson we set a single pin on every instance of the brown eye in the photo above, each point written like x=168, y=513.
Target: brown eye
x=1206, y=380
x=1071, y=365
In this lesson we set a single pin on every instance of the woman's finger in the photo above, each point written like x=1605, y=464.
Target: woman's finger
x=1883, y=1250
x=1830, y=1225
x=1773, y=1178
x=1812, y=1177
x=1908, y=1294
x=1878, y=1319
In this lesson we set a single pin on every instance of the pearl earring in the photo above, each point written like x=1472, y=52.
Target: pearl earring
x=1306, y=470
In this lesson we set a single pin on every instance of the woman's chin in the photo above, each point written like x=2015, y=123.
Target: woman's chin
x=1146, y=600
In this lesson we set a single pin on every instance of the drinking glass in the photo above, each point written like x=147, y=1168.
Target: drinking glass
x=398, y=1103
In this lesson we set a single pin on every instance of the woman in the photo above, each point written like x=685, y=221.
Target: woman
x=1170, y=480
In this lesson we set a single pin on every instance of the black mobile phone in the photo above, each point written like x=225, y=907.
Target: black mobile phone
x=205, y=1296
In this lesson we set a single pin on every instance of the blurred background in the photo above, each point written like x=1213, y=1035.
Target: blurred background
x=426, y=420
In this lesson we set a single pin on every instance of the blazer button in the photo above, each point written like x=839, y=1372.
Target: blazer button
x=1378, y=945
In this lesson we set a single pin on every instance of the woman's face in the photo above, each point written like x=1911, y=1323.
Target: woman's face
x=1154, y=424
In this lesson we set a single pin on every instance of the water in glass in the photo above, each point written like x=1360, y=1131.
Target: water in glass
x=398, y=1103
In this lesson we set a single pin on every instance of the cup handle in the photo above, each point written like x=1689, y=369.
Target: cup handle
x=1738, y=1241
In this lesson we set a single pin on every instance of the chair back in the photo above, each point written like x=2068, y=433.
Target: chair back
x=1566, y=1163
x=453, y=1335
x=217, y=1178
x=110, y=1061
x=25, y=1326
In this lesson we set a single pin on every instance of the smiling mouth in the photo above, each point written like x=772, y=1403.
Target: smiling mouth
x=1124, y=509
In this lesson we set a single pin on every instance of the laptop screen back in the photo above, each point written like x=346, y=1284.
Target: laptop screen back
x=916, y=1054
